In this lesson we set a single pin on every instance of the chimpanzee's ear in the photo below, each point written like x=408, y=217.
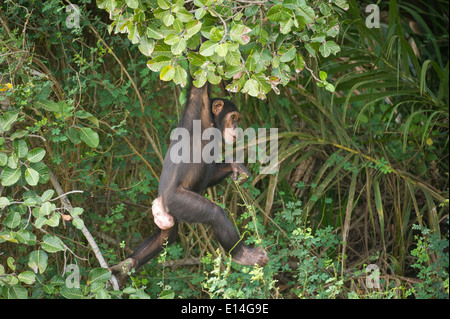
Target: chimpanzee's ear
x=217, y=107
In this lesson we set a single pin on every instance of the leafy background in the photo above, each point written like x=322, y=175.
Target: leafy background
x=85, y=116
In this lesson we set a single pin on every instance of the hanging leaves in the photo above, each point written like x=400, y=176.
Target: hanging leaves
x=265, y=48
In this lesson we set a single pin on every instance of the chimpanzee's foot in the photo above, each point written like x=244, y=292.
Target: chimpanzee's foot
x=250, y=256
x=122, y=270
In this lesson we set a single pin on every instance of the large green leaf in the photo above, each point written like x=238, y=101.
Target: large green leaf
x=7, y=120
x=16, y=292
x=38, y=261
x=21, y=148
x=52, y=244
x=27, y=277
x=158, y=63
x=329, y=47
x=10, y=176
x=43, y=171
x=99, y=275
x=279, y=13
x=12, y=220
x=71, y=293
x=36, y=155
x=31, y=176
x=89, y=136
x=208, y=48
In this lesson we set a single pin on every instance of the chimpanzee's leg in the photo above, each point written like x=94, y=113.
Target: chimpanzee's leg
x=147, y=250
x=154, y=245
x=191, y=207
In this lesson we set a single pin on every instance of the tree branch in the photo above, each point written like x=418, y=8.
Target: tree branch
x=68, y=206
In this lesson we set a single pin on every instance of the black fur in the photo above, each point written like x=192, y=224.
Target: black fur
x=181, y=184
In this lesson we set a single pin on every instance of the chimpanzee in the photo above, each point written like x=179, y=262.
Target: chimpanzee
x=181, y=184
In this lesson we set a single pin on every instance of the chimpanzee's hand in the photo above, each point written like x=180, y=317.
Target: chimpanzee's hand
x=240, y=173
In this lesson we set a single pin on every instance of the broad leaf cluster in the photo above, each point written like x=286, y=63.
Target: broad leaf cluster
x=254, y=45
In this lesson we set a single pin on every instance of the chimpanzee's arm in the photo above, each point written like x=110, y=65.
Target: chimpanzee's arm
x=223, y=170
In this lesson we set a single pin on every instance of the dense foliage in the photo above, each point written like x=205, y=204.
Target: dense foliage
x=86, y=110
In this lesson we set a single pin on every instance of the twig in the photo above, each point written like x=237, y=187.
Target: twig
x=66, y=203
x=71, y=192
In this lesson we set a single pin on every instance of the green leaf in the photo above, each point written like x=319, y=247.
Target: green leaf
x=76, y=211
x=213, y=78
x=36, y=155
x=4, y=202
x=233, y=58
x=164, y=4
x=146, y=45
x=222, y=49
x=167, y=294
x=238, y=34
x=208, y=48
x=54, y=220
x=82, y=114
x=192, y=27
x=153, y=32
x=13, y=160
x=168, y=19
x=180, y=76
x=89, y=136
x=288, y=54
x=73, y=135
x=179, y=47
x=10, y=176
x=78, y=223
x=3, y=159
x=42, y=169
x=7, y=120
x=299, y=63
x=38, y=261
x=21, y=148
x=306, y=12
x=216, y=34
x=200, y=13
x=329, y=47
x=71, y=293
x=133, y=4
x=167, y=73
x=184, y=15
x=233, y=70
x=47, y=195
x=158, y=63
x=46, y=208
x=31, y=176
x=10, y=261
x=279, y=13
x=251, y=87
x=171, y=39
x=196, y=59
x=102, y=294
x=12, y=220
x=16, y=292
x=99, y=275
x=40, y=221
x=47, y=105
x=52, y=244
x=27, y=277
x=162, y=49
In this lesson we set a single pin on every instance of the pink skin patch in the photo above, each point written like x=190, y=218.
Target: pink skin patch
x=162, y=219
